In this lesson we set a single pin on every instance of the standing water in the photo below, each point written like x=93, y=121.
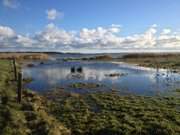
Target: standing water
x=125, y=78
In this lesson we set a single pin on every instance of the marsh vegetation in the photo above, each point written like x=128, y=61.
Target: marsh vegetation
x=59, y=111
x=166, y=61
x=112, y=114
x=24, y=56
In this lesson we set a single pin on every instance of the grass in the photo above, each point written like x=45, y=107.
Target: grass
x=24, y=56
x=111, y=114
x=85, y=85
x=29, y=117
x=178, y=90
x=166, y=61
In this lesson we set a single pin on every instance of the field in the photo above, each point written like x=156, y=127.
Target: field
x=59, y=112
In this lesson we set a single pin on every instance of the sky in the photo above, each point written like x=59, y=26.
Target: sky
x=90, y=26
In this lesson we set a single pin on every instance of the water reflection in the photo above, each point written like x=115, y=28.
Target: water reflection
x=138, y=80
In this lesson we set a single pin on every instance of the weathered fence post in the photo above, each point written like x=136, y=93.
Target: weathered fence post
x=19, y=92
x=15, y=70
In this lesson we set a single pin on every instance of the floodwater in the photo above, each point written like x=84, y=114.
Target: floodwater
x=123, y=77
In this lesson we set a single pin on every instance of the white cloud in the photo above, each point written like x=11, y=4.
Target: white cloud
x=144, y=40
x=105, y=39
x=11, y=3
x=100, y=36
x=25, y=41
x=6, y=32
x=53, y=14
x=149, y=36
x=54, y=35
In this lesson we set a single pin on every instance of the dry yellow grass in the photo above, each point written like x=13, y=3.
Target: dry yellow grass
x=22, y=56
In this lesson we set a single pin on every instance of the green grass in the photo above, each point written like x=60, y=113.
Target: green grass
x=111, y=114
x=178, y=90
x=29, y=117
x=85, y=85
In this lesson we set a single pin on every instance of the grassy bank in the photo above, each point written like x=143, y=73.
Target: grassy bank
x=24, y=56
x=28, y=118
x=167, y=61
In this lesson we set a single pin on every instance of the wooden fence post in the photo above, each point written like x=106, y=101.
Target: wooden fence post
x=19, y=92
x=15, y=70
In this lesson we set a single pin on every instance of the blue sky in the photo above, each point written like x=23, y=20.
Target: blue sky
x=135, y=17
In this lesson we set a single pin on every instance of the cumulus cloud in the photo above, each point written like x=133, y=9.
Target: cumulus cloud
x=53, y=14
x=107, y=39
x=11, y=3
x=99, y=36
x=6, y=32
x=52, y=35
x=25, y=41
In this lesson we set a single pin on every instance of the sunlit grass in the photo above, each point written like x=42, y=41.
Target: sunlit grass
x=108, y=113
x=29, y=117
